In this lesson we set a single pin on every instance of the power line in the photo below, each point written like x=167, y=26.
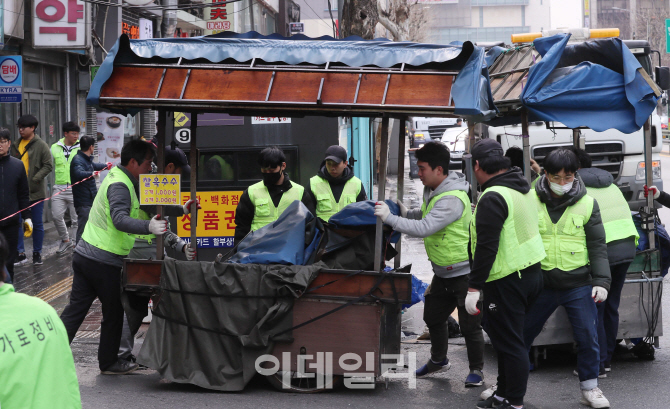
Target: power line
x=159, y=7
x=316, y=14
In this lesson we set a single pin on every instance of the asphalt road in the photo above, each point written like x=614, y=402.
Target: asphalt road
x=631, y=384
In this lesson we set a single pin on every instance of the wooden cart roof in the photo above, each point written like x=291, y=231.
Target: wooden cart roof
x=297, y=76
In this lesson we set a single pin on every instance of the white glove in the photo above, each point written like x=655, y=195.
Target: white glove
x=157, y=226
x=382, y=210
x=471, y=301
x=403, y=209
x=190, y=253
x=96, y=174
x=599, y=294
x=187, y=205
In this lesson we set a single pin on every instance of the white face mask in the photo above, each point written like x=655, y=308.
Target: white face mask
x=560, y=190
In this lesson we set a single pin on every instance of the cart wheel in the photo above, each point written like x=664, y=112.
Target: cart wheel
x=301, y=384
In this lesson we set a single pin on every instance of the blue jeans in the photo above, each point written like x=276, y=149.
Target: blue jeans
x=583, y=316
x=36, y=212
x=608, y=313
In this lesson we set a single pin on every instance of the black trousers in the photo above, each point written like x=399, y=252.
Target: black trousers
x=442, y=297
x=506, y=302
x=93, y=279
x=11, y=234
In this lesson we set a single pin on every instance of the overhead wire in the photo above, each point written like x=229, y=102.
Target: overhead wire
x=161, y=7
x=317, y=15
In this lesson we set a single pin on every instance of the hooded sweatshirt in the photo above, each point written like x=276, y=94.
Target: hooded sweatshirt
x=446, y=210
x=337, y=184
x=597, y=272
x=618, y=251
x=491, y=214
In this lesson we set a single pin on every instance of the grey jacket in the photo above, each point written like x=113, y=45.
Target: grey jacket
x=119, y=205
x=446, y=210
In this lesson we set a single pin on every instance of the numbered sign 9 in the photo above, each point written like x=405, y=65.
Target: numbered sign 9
x=183, y=135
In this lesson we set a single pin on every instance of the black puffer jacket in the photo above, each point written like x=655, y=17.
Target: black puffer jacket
x=597, y=272
x=82, y=166
x=618, y=251
x=14, y=192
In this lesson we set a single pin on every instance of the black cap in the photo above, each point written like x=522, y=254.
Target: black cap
x=336, y=153
x=486, y=148
x=178, y=157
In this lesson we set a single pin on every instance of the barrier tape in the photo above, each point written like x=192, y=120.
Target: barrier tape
x=49, y=198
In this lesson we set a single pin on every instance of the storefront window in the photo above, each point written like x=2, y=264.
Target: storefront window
x=9, y=113
x=50, y=78
x=31, y=75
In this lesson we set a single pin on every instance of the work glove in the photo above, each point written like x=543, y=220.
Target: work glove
x=190, y=253
x=187, y=206
x=599, y=294
x=27, y=227
x=157, y=226
x=96, y=174
x=653, y=189
x=471, y=301
x=382, y=210
x=403, y=209
x=110, y=165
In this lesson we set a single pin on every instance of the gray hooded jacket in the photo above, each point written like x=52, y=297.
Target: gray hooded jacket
x=446, y=210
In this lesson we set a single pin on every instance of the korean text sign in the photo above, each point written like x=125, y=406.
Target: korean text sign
x=11, y=78
x=216, y=219
x=159, y=189
x=59, y=24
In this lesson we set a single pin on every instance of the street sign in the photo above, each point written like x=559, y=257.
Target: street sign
x=298, y=27
x=216, y=219
x=667, y=35
x=160, y=189
x=11, y=78
x=94, y=71
x=183, y=135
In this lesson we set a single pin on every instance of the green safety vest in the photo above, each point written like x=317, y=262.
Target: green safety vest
x=520, y=243
x=62, y=164
x=265, y=211
x=142, y=215
x=326, y=206
x=100, y=231
x=449, y=245
x=615, y=213
x=565, y=241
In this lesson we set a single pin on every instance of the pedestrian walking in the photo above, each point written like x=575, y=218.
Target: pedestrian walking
x=63, y=153
x=506, y=250
x=335, y=185
x=83, y=167
x=262, y=203
x=36, y=157
x=576, y=269
x=14, y=196
x=443, y=221
x=98, y=258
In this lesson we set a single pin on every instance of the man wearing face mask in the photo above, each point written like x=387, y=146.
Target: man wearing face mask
x=576, y=269
x=263, y=202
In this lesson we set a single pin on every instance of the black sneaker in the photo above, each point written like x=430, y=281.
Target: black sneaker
x=505, y=405
x=120, y=367
x=492, y=401
x=20, y=258
x=133, y=359
x=37, y=258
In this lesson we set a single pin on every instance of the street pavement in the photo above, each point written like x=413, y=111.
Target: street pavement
x=631, y=384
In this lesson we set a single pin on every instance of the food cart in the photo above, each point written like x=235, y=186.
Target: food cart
x=341, y=311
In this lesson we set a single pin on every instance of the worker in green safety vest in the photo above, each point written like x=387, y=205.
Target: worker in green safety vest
x=443, y=221
x=108, y=237
x=621, y=236
x=506, y=250
x=37, y=365
x=262, y=203
x=576, y=270
x=335, y=185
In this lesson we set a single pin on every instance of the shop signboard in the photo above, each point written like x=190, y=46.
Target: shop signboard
x=60, y=24
x=219, y=17
x=216, y=219
x=160, y=189
x=11, y=73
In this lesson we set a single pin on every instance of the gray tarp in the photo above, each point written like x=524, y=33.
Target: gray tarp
x=228, y=327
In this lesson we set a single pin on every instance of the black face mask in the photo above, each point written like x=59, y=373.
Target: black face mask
x=270, y=179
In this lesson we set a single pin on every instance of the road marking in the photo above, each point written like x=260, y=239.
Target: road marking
x=56, y=290
x=666, y=155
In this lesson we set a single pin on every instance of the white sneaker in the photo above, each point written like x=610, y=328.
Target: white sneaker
x=64, y=246
x=488, y=392
x=595, y=398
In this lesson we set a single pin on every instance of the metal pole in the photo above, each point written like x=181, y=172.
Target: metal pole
x=381, y=193
x=160, y=164
x=526, y=145
x=648, y=171
x=402, y=133
x=575, y=138
x=194, y=177
x=471, y=137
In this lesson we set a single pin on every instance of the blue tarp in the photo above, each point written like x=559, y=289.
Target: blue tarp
x=362, y=214
x=595, y=84
x=471, y=90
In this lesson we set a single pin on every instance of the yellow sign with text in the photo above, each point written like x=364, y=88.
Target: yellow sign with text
x=216, y=219
x=160, y=189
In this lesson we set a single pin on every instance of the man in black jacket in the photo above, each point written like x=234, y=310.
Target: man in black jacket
x=506, y=250
x=14, y=196
x=83, y=167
